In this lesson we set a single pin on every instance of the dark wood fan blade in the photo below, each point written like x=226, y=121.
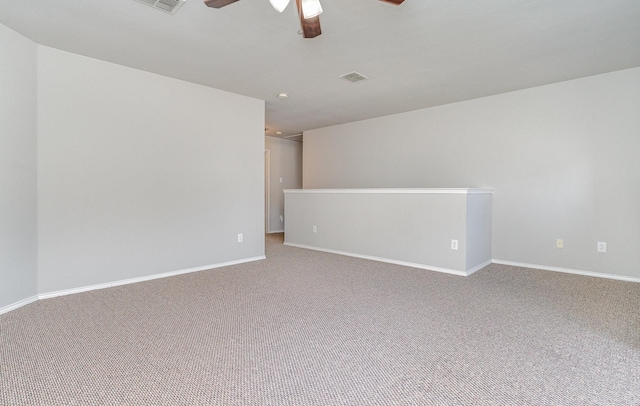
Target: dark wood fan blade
x=396, y=2
x=218, y=3
x=310, y=26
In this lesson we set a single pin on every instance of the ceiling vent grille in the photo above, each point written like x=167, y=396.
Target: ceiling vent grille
x=169, y=6
x=353, y=77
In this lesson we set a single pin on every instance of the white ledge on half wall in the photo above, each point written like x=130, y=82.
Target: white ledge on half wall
x=395, y=191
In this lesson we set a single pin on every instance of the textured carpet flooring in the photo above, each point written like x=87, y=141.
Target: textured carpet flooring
x=310, y=328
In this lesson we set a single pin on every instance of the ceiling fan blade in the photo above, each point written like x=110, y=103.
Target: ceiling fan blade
x=396, y=2
x=218, y=3
x=310, y=26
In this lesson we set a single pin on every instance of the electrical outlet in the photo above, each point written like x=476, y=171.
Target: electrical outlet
x=602, y=246
x=282, y=219
x=240, y=238
x=454, y=244
x=315, y=229
x=559, y=243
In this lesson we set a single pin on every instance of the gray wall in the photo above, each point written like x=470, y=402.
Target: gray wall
x=18, y=213
x=562, y=158
x=286, y=163
x=410, y=227
x=141, y=174
x=479, y=235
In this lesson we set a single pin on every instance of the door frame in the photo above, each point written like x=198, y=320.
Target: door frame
x=267, y=191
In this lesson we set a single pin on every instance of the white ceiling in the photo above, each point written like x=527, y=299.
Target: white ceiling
x=420, y=54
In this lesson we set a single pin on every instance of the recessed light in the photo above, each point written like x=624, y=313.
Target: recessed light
x=283, y=96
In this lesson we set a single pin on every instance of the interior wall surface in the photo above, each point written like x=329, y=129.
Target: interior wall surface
x=18, y=168
x=562, y=158
x=409, y=227
x=141, y=174
x=286, y=165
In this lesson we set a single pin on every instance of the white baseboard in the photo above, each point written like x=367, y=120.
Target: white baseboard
x=568, y=270
x=479, y=267
x=275, y=231
x=387, y=260
x=81, y=289
x=32, y=299
x=14, y=306
x=145, y=278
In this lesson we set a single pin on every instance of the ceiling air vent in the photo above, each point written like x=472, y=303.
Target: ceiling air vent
x=353, y=77
x=170, y=6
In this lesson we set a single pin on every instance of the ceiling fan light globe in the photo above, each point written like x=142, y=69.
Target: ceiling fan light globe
x=279, y=5
x=311, y=8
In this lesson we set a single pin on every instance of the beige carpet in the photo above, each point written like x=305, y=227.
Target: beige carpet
x=310, y=328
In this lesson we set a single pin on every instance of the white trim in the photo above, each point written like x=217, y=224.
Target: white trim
x=276, y=231
x=394, y=191
x=267, y=190
x=379, y=259
x=144, y=278
x=24, y=302
x=14, y=306
x=569, y=271
x=81, y=289
x=479, y=267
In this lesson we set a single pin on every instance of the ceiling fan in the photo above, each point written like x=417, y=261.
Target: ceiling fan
x=308, y=10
